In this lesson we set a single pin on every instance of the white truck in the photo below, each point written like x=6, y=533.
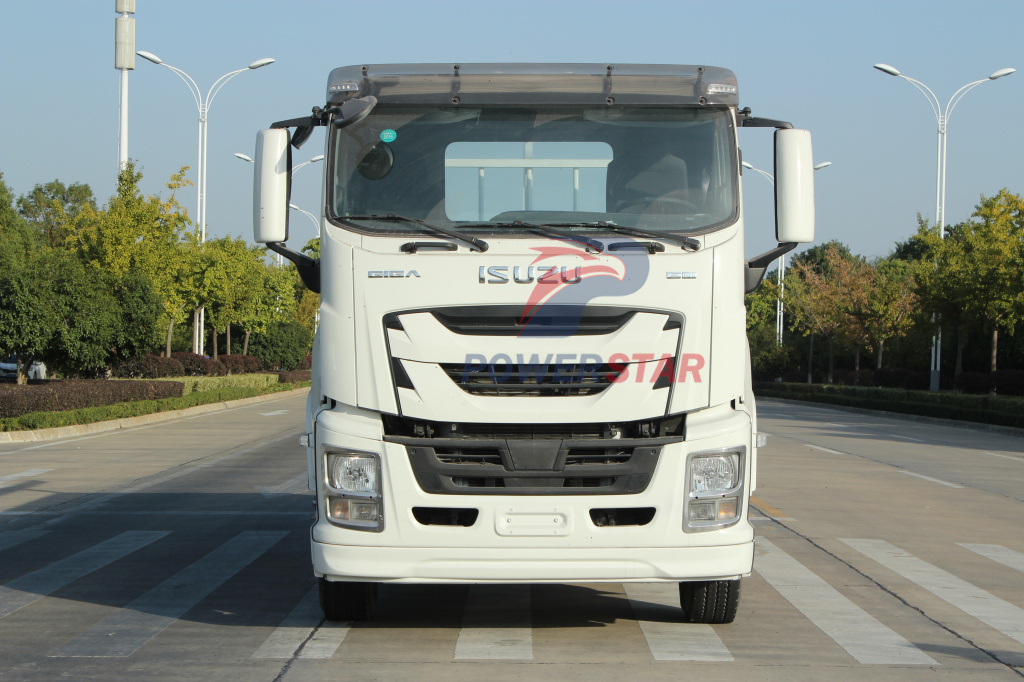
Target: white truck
x=531, y=363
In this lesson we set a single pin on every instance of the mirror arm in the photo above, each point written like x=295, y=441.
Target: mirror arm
x=309, y=268
x=754, y=122
x=757, y=265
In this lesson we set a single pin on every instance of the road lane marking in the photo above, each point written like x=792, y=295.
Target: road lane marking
x=13, y=538
x=1007, y=557
x=849, y=626
x=929, y=478
x=11, y=479
x=831, y=452
x=896, y=435
x=769, y=509
x=38, y=584
x=274, y=413
x=656, y=608
x=989, y=609
x=842, y=426
x=496, y=624
x=296, y=628
x=1019, y=459
x=124, y=632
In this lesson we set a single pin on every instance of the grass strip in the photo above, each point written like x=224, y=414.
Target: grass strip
x=88, y=415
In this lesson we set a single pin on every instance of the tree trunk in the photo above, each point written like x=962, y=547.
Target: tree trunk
x=228, y=333
x=961, y=341
x=829, y=336
x=995, y=344
x=878, y=362
x=245, y=343
x=856, y=359
x=810, y=360
x=170, y=333
x=214, y=341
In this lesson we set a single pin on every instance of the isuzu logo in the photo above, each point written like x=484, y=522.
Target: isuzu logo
x=540, y=274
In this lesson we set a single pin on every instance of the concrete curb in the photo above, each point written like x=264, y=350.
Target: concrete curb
x=977, y=426
x=142, y=420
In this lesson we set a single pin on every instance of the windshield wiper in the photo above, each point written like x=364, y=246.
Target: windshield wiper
x=687, y=243
x=590, y=244
x=473, y=242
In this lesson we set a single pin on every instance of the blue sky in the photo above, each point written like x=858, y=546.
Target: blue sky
x=806, y=62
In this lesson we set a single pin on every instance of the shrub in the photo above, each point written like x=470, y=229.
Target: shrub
x=202, y=384
x=241, y=364
x=148, y=367
x=199, y=366
x=1001, y=382
x=286, y=377
x=858, y=377
x=283, y=346
x=74, y=394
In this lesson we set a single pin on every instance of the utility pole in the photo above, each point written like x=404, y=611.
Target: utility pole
x=124, y=61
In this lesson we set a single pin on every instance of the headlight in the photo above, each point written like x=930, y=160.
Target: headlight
x=353, y=490
x=714, y=473
x=352, y=473
x=714, y=489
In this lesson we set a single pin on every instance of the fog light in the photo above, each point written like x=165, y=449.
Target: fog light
x=341, y=509
x=702, y=511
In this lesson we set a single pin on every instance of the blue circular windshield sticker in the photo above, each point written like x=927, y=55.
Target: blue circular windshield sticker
x=388, y=135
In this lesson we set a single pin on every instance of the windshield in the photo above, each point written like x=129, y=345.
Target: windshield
x=658, y=169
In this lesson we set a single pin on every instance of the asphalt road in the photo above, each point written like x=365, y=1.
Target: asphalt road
x=887, y=549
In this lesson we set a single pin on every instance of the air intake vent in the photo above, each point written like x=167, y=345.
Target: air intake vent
x=537, y=380
x=551, y=321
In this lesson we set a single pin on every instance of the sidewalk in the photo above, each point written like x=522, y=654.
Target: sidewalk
x=130, y=422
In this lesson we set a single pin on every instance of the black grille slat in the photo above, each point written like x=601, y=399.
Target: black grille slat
x=551, y=321
x=550, y=380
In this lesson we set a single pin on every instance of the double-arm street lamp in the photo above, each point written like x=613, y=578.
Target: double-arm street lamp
x=782, y=259
x=203, y=104
x=942, y=115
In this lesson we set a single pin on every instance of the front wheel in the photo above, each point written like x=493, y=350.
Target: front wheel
x=347, y=601
x=710, y=601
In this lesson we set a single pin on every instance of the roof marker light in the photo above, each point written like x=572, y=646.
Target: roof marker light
x=721, y=88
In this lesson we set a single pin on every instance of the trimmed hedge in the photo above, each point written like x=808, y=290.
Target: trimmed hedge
x=148, y=367
x=72, y=394
x=201, y=384
x=984, y=409
x=198, y=366
x=295, y=375
x=45, y=420
x=241, y=364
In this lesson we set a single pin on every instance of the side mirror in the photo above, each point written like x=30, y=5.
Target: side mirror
x=794, y=186
x=271, y=186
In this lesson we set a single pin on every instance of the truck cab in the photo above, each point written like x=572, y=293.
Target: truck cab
x=531, y=363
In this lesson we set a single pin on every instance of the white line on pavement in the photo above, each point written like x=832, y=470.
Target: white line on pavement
x=849, y=626
x=831, y=452
x=989, y=609
x=1007, y=557
x=929, y=478
x=668, y=640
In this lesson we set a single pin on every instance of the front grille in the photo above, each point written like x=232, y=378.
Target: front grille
x=461, y=466
x=552, y=320
x=532, y=379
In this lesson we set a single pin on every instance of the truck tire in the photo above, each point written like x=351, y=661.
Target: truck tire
x=347, y=601
x=710, y=601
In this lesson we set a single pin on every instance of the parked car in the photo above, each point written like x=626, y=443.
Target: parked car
x=9, y=368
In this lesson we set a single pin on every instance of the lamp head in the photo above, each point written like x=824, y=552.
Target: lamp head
x=823, y=164
x=891, y=70
x=318, y=157
x=1000, y=73
x=244, y=157
x=261, y=62
x=150, y=56
x=293, y=206
x=746, y=164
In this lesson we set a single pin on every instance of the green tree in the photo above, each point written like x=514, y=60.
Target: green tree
x=58, y=211
x=978, y=275
x=283, y=345
x=768, y=358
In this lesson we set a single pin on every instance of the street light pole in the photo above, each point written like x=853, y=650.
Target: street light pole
x=316, y=223
x=203, y=104
x=782, y=259
x=942, y=119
